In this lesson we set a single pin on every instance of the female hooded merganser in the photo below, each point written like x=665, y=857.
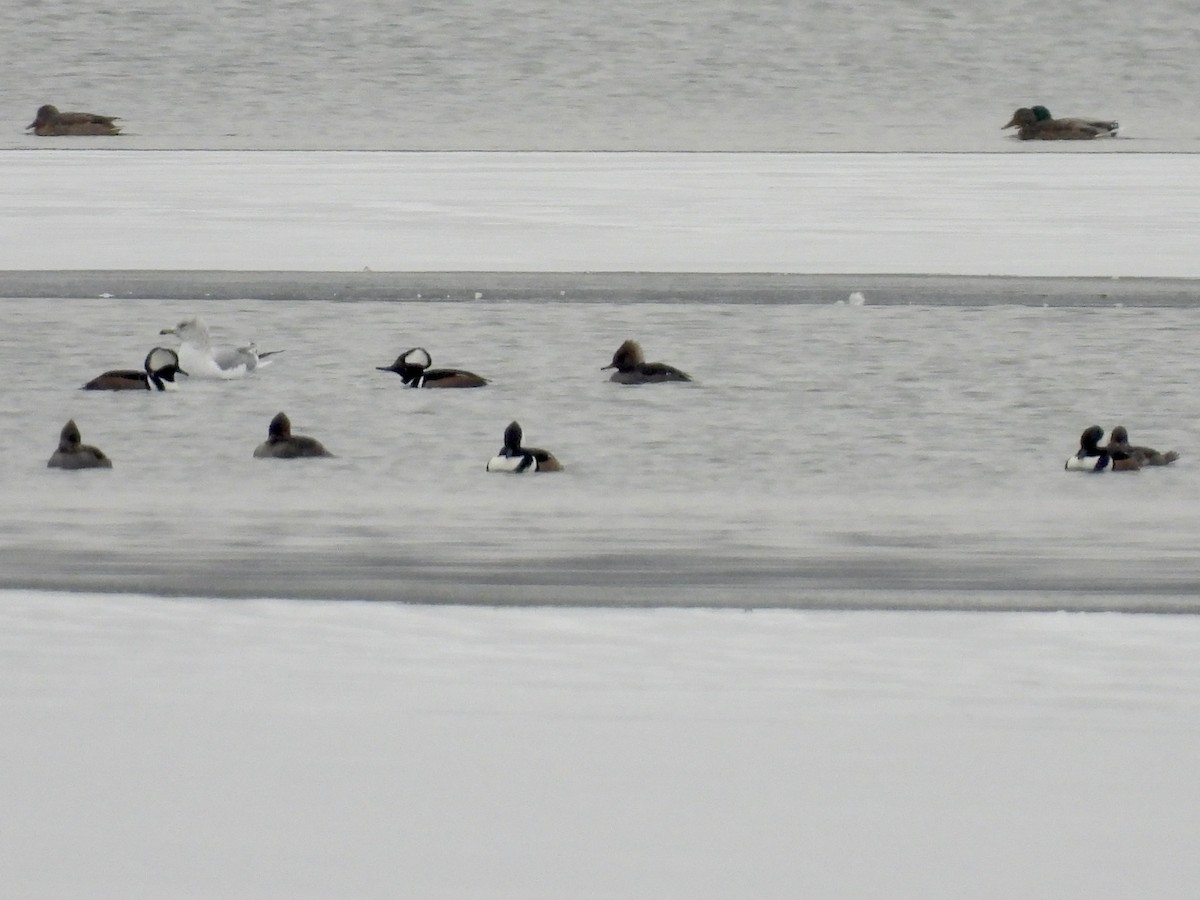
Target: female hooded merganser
x=413, y=368
x=162, y=365
x=49, y=122
x=515, y=458
x=202, y=361
x=1118, y=442
x=72, y=453
x=1094, y=458
x=632, y=367
x=282, y=444
x=1036, y=123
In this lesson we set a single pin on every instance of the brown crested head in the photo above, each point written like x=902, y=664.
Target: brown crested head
x=280, y=427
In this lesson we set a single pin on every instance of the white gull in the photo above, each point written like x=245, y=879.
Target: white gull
x=199, y=359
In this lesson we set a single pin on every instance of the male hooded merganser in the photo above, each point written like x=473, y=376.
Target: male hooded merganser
x=1094, y=458
x=1036, y=123
x=515, y=458
x=49, y=122
x=202, y=361
x=632, y=367
x=1118, y=442
x=282, y=444
x=162, y=365
x=413, y=368
x=72, y=453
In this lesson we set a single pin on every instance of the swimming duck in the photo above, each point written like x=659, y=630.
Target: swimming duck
x=162, y=365
x=72, y=453
x=196, y=353
x=52, y=123
x=632, y=367
x=282, y=444
x=1094, y=458
x=413, y=368
x=515, y=458
x=1036, y=123
x=1118, y=442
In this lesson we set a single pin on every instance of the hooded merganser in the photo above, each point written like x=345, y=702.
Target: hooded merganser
x=162, y=365
x=413, y=368
x=72, y=453
x=1118, y=442
x=632, y=367
x=1091, y=457
x=515, y=458
x=282, y=444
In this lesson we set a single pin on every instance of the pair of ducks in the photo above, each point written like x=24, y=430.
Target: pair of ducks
x=413, y=367
x=1036, y=123
x=72, y=453
x=513, y=457
x=1116, y=456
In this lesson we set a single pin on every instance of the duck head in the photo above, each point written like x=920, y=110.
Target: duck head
x=628, y=355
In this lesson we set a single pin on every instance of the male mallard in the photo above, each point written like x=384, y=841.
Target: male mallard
x=1036, y=123
x=52, y=123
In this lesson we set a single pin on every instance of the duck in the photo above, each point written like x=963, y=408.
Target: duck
x=282, y=444
x=413, y=368
x=49, y=122
x=1036, y=123
x=161, y=367
x=632, y=368
x=1118, y=442
x=516, y=459
x=197, y=355
x=1091, y=457
x=72, y=453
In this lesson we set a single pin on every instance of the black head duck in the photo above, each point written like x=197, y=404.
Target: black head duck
x=282, y=444
x=632, y=368
x=1091, y=457
x=516, y=459
x=72, y=453
x=413, y=368
x=1036, y=123
x=160, y=369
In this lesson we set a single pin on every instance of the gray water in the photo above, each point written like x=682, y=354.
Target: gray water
x=826, y=455
x=713, y=75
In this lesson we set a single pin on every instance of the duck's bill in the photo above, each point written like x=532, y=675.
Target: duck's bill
x=1012, y=123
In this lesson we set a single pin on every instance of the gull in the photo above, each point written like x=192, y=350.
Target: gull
x=200, y=360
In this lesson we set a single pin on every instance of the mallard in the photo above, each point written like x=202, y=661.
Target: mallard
x=1036, y=123
x=49, y=122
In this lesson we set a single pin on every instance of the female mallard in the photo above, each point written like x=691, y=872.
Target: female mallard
x=49, y=122
x=1036, y=123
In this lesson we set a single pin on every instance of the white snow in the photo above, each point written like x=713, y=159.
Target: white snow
x=267, y=749
x=1068, y=214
